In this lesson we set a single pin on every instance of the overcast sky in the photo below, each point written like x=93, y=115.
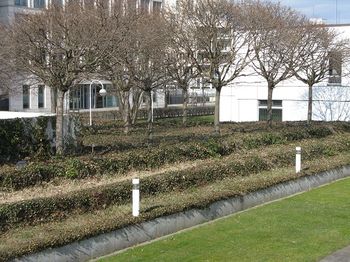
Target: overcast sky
x=332, y=11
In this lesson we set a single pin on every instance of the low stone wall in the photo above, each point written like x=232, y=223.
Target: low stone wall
x=126, y=237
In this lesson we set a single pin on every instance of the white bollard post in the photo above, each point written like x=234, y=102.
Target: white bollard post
x=135, y=197
x=298, y=159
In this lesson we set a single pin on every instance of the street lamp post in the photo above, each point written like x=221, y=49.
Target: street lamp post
x=103, y=92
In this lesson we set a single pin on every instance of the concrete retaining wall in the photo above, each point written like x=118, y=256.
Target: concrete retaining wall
x=110, y=242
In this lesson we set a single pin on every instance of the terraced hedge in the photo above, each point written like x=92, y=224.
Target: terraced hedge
x=154, y=157
x=255, y=161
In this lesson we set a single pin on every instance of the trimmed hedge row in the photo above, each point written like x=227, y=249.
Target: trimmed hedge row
x=46, y=209
x=113, y=218
x=272, y=138
x=141, y=159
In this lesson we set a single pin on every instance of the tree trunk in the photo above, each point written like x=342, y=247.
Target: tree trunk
x=59, y=123
x=53, y=100
x=166, y=98
x=185, y=107
x=217, y=111
x=133, y=117
x=203, y=97
x=126, y=113
x=309, y=108
x=269, y=105
x=149, y=119
x=136, y=96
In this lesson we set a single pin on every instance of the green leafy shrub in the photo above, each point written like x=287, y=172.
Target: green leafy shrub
x=34, y=173
x=20, y=138
x=75, y=168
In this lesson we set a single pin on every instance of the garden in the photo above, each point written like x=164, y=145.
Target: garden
x=306, y=227
x=55, y=200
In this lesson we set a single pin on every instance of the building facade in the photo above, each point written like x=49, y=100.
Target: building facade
x=246, y=98
x=243, y=100
x=29, y=97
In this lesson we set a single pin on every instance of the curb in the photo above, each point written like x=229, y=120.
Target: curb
x=108, y=243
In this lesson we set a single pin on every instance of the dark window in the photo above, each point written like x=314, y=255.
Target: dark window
x=154, y=96
x=4, y=103
x=41, y=96
x=175, y=97
x=25, y=96
x=276, y=110
x=80, y=97
x=57, y=2
x=110, y=101
x=335, y=67
x=99, y=99
x=276, y=103
x=39, y=3
x=157, y=6
x=21, y=2
x=144, y=5
x=276, y=114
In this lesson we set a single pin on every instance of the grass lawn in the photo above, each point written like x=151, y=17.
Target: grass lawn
x=306, y=227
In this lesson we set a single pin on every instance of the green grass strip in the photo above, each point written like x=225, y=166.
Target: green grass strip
x=306, y=227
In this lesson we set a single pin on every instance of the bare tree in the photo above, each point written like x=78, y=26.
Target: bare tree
x=277, y=41
x=59, y=46
x=222, y=42
x=332, y=103
x=147, y=66
x=181, y=63
x=121, y=54
x=320, y=43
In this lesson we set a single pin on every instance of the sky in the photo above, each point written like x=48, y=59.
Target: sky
x=332, y=11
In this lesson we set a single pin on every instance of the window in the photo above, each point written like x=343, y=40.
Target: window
x=110, y=101
x=144, y=5
x=4, y=103
x=335, y=68
x=41, y=96
x=224, y=45
x=157, y=6
x=25, y=96
x=21, y=2
x=175, y=97
x=39, y=3
x=154, y=97
x=276, y=110
x=275, y=103
x=57, y=2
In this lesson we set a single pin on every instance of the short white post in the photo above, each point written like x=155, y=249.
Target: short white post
x=298, y=159
x=152, y=105
x=135, y=197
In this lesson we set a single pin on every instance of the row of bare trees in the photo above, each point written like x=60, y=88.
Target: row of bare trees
x=139, y=51
x=271, y=40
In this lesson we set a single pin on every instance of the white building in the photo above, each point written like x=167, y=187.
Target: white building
x=28, y=97
x=243, y=100
x=246, y=98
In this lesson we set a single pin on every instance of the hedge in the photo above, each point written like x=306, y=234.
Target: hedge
x=22, y=137
x=154, y=157
x=58, y=207
x=26, y=240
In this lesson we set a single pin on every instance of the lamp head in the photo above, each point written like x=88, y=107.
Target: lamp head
x=103, y=92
